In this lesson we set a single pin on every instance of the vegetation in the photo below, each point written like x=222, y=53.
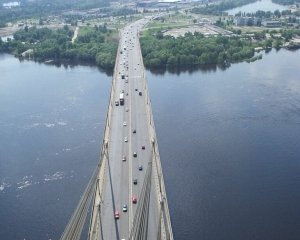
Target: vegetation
x=170, y=21
x=159, y=50
x=42, y=8
x=284, y=15
x=265, y=14
x=196, y=50
x=286, y=2
x=218, y=9
x=72, y=18
x=96, y=45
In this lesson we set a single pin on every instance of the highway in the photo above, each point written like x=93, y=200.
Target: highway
x=127, y=187
x=118, y=185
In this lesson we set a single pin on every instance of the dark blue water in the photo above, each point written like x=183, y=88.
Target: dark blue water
x=51, y=125
x=229, y=143
x=230, y=149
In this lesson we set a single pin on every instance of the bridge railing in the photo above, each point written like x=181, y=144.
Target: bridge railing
x=95, y=216
x=165, y=222
x=94, y=190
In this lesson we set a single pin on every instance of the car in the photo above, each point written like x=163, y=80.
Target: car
x=136, y=89
x=143, y=147
x=134, y=154
x=122, y=91
x=140, y=93
x=135, y=181
x=116, y=103
x=141, y=167
x=134, y=199
x=124, y=208
x=126, y=81
x=125, y=139
x=134, y=131
x=124, y=158
x=124, y=124
x=117, y=214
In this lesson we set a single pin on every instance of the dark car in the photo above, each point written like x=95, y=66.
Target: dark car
x=134, y=131
x=140, y=93
x=135, y=181
x=143, y=147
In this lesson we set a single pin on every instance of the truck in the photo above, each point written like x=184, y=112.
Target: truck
x=121, y=98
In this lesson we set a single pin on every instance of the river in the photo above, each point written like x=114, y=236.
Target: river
x=263, y=5
x=229, y=144
x=51, y=125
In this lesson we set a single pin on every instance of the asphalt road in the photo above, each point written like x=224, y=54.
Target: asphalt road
x=118, y=187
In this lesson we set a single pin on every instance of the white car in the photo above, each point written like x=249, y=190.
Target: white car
x=125, y=139
x=124, y=208
x=124, y=124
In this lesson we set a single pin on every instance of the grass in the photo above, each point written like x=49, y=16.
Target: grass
x=174, y=20
x=110, y=36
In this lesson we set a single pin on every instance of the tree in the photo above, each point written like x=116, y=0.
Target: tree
x=277, y=13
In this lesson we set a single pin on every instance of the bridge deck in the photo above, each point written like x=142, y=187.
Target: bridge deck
x=133, y=121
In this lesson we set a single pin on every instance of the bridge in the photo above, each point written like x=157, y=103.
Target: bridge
x=126, y=190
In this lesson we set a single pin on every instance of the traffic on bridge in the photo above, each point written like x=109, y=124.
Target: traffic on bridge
x=127, y=188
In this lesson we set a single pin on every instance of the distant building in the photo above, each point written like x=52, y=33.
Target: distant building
x=271, y=23
x=247, y=21
x=204, y=21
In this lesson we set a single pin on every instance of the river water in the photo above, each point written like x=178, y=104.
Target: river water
x=229, y=144
x=263, y=5
x=51, y=125
x=230, y=149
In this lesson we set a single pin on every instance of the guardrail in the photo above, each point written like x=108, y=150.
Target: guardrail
x=166, y=228
x=95, y=216
x=95, y=186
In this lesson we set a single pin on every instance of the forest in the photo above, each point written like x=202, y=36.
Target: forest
x=43, y=8
x=95, y=45
x=286, y=2
x=193, y=49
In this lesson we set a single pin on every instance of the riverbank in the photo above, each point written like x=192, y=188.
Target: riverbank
x=197, y=50
x=95, y=45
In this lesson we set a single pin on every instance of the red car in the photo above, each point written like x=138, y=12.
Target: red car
x=117, y=214
x=134, y=199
